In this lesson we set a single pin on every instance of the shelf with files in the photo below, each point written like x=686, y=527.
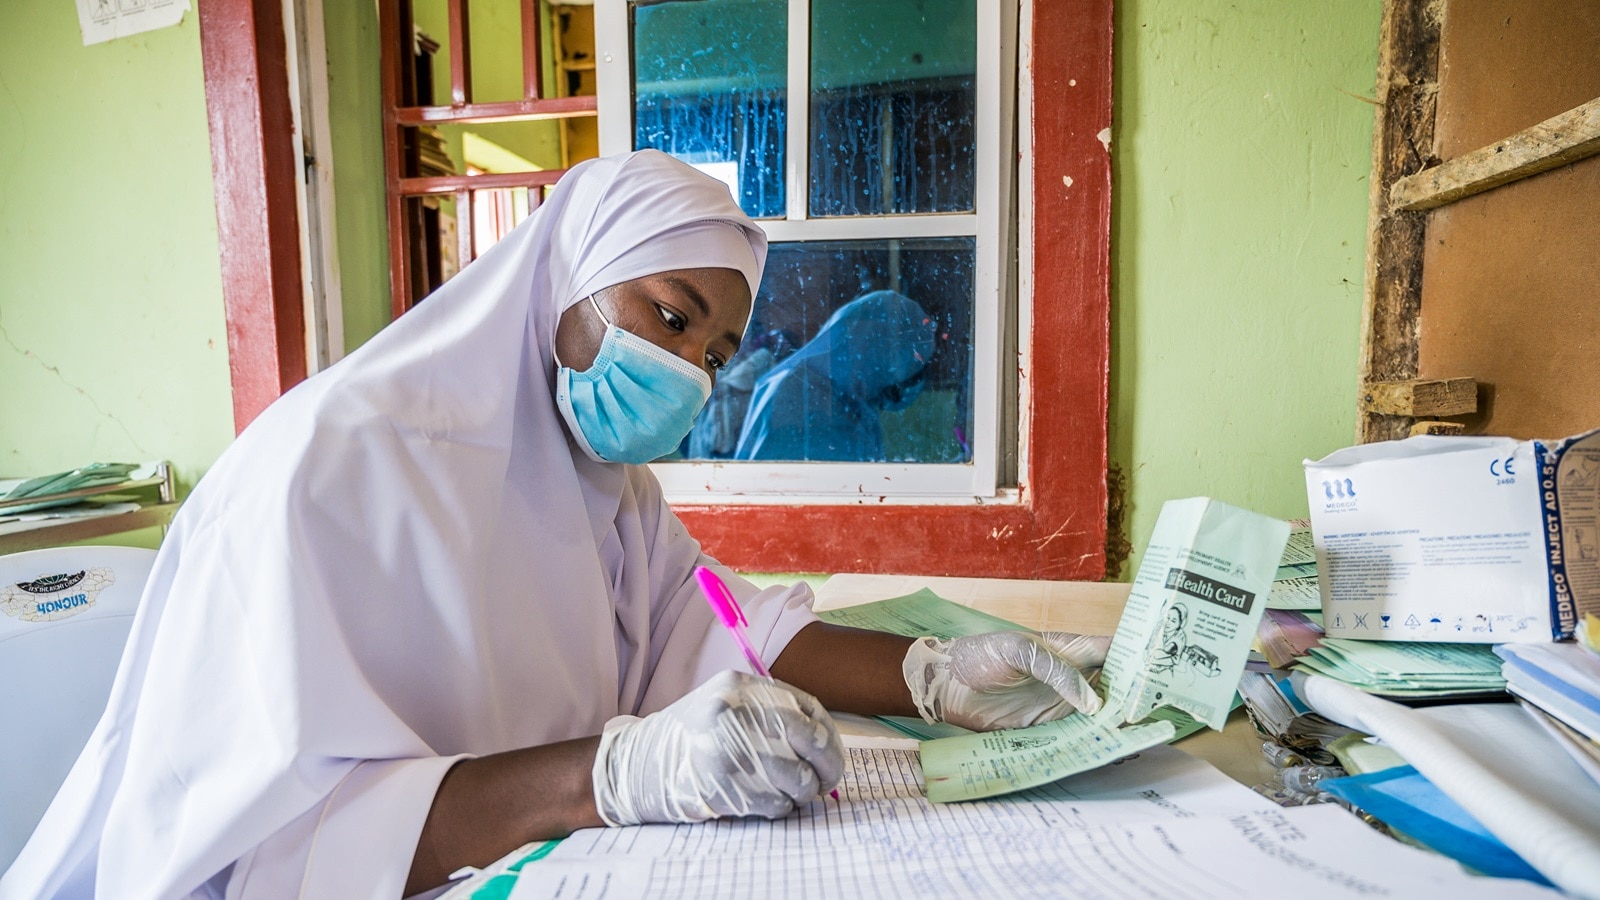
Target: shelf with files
x=156, y=504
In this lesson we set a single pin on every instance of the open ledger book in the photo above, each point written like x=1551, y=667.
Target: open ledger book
x=1180, y=646
x=1161, y=825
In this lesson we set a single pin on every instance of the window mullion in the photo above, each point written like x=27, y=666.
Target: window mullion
x=614, y=76
x=797, y=111
x=866, y=228
x=988, y=285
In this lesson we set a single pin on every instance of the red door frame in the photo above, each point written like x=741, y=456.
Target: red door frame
x=1058, y=528
x=254, y=170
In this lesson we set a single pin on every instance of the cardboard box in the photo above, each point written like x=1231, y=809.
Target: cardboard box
x=1465, y=539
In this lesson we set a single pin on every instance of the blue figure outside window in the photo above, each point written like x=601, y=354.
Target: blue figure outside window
x=822, y=403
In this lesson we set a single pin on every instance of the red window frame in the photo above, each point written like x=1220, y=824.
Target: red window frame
x=1057, y=528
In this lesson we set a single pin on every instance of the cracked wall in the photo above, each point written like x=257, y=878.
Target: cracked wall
x=112, y=342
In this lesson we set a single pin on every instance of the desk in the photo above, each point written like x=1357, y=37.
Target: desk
x=1084, y=607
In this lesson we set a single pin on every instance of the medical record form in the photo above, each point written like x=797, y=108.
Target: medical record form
x=1181, y=644
x=1161, y=825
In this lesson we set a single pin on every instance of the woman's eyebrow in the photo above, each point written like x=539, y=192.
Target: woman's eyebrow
x=693, y=293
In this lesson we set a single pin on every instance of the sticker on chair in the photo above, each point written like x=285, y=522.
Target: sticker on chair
x=49, y=598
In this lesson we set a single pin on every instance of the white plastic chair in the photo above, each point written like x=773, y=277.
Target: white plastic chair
x=65, y=613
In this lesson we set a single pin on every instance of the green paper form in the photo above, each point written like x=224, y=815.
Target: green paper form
x=998, y=762
x=1181, y=643
x=1406, y=669
x=917, y=615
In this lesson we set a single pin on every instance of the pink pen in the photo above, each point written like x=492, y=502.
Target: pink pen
x=732, y=618
x=730, y=615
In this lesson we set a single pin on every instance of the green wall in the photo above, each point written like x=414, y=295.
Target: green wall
x=1239, y=165
x=112, y=341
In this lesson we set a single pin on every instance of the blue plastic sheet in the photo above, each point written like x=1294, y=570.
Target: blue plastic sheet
x=1408, y=802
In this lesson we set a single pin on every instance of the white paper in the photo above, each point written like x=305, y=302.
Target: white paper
x=103, y=20
x=973, y=766
x=1160, y=825
x=1300, y=593
x=1500, y=766
x=1181, y=644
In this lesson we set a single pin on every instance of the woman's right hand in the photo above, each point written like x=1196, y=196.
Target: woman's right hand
x=738, y=745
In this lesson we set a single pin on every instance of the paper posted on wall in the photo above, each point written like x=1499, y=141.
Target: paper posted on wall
x=103, y=20
x=1181, y=644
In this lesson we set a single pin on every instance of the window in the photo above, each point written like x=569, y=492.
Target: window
x=868, y=141
x=763, y=88
x=1054, y=527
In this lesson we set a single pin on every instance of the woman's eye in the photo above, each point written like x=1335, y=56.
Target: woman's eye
x=671, y=319
x=715, y=362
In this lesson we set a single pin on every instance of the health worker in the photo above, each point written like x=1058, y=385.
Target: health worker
x=430, y=605
x=822, y=402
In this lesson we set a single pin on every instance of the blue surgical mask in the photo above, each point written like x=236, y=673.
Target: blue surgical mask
x=637, y=401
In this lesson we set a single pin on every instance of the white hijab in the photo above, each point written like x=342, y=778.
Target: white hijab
x=404, y=561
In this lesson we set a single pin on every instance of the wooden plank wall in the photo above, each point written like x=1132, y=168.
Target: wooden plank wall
x=1499, y=282
x=1511, y=277
x=1402, y=144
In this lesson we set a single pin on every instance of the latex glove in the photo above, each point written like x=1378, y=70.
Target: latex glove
x=738, y=745
x=1003, y=679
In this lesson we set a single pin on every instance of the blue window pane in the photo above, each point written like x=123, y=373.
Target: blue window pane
x=892, y=99
x=708, y=88
x=858, y=351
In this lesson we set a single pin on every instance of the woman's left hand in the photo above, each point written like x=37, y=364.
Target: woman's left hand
x=1003, y=679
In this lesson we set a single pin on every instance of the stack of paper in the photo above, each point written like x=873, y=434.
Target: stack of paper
x=92, y=475
x=1500, y=767
x=58, y=489
x=1407, y=671
x=1562, y=684
x=1295, y=585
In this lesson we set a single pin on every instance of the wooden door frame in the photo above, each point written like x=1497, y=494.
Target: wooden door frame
x=250, y=113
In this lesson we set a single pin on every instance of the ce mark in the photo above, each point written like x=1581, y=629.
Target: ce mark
x=1502, y=467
